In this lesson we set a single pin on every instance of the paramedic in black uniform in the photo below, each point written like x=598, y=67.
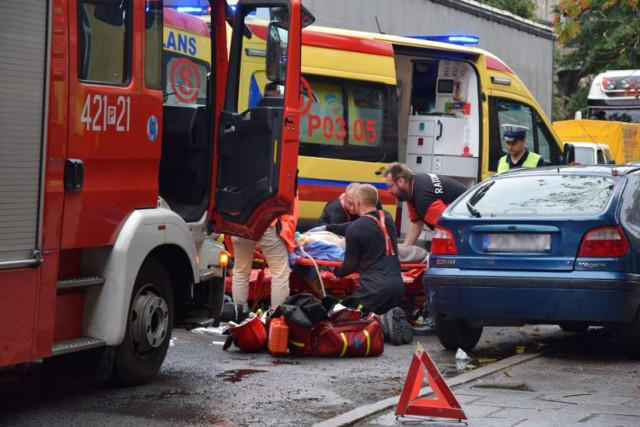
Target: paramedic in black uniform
x=371, y=250
x=343, y=208
x=337, y=215
x=427, y=196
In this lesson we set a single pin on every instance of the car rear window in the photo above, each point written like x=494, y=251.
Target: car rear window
x=533, y=196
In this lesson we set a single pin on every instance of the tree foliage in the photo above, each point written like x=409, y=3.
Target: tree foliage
x=523, y=8
x=600, y=34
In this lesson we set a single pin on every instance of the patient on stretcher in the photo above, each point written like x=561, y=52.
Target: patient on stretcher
x=320, y=245
x=325, y=245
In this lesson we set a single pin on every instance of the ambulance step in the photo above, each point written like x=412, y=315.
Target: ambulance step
x=76, y=344
x=80, y=282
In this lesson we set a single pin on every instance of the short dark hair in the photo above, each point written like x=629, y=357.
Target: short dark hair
x=398, y=170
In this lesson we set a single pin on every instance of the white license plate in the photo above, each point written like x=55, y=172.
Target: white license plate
x=521, y=242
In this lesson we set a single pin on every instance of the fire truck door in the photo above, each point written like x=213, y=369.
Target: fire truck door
x=105, y=123
x=258, y=146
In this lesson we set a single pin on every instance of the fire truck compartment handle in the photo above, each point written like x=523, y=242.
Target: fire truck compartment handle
x=73, y=175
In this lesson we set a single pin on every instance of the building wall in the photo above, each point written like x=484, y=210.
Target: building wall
x=544, y=9
x=526, y=46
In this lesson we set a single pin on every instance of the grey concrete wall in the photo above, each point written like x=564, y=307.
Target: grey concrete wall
x=526, y=46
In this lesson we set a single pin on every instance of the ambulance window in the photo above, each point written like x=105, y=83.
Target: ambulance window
x=153, y=45
x=104, y=28
x=366, y=108
x=324, y=123
x=186, y=80
x=347, y=119
x=539, y=138
x=508, y=112
x=546, y=145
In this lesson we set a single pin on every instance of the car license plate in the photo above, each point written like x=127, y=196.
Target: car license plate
x=520, y=242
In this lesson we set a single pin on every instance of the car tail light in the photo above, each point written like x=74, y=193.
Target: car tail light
x=442, y=242
x=604, y=242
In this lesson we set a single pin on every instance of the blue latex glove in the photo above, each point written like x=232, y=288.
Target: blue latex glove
x=319, y=228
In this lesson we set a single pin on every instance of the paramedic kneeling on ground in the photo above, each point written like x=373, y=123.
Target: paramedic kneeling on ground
x=371, y=250
x=518, y=157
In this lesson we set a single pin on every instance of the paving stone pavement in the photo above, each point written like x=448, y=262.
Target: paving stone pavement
x=543, y=390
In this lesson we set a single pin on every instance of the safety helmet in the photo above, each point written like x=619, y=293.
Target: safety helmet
x=250, y=336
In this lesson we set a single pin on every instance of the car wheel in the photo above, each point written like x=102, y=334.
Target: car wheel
x=457, y=333
x=446, y=332
x=149, y=323
x=468, y=336
x=573, y=326
x=628, y=336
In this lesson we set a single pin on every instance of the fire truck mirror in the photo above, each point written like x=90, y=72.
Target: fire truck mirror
x=111, y=13
x=276, y=62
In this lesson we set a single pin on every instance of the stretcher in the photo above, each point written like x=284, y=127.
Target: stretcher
x=301, y=281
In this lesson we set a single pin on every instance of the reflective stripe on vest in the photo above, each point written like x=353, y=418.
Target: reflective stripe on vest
x=383, y=227
x=531, y=162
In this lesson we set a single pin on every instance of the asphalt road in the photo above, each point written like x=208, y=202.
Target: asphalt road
x=200, y=384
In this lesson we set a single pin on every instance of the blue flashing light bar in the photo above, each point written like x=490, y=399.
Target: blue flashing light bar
x=193, y=10
x=460, y=39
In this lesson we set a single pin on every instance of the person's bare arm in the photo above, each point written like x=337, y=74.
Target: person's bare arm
x=413, y=232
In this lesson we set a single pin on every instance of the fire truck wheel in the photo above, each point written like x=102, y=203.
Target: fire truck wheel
x=149, y=322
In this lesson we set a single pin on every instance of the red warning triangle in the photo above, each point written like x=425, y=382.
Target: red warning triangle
x=444, y=405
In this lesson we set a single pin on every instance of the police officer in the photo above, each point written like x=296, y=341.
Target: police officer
x=518, y=157
x=427, y=196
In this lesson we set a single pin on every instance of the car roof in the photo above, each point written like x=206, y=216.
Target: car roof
x=604, y=170
x=588, y=144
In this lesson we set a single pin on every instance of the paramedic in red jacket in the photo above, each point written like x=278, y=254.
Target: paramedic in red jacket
x=275, y=244
x=427, y=196
x=371, y=250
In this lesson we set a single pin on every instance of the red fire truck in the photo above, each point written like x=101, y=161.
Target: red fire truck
x=110, y=198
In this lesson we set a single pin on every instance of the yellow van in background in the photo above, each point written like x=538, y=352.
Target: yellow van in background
x=623, y=139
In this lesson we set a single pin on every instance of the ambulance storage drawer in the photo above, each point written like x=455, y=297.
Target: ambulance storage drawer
x=422, y=125
x=420, y=144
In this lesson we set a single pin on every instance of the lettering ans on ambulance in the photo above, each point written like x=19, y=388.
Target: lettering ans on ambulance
x=181, y=43
x=186, y=58
x=102, y=113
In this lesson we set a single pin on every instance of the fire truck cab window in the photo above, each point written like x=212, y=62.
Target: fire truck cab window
x=153, y=45
x=103, y=33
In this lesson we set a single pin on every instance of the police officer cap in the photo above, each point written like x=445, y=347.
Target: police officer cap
x=512, y=132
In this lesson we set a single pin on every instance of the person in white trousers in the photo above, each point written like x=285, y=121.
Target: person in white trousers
x=275, y=244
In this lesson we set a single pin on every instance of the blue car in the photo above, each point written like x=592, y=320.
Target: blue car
x=554, y=245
